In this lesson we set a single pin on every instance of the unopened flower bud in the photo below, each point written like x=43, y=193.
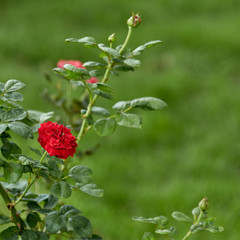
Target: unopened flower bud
x=112, y=38
x=134, y=20
x=203, y=204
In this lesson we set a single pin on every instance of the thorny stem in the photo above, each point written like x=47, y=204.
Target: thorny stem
x=31, y=182
x=195, y=223
x=104, y=80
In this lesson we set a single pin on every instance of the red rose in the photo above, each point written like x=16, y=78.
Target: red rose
x=77, y=64
x=57, y=140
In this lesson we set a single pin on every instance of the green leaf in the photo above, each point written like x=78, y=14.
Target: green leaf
x=39, y=116
x=128, y=120
x=21, y=129
x=215, y=229
x=110, y=51
x=92, y=190
x=149, y=236
x=105, y=126
x=60, y=71
x=4, y=219
x=50, y=202
x=143, y=47
x=100, y=111
x=10, y=233
x=13, y=85
x=132, y=62
x=12, y=172
x=161, y=221
x=122, y=105
x=61, y=189
x=93, y=64
x=3, y=127
x=42, y=236
x=54, y=171
x=69, y=210
x=196, y=228
x=13, y=115
x=123, y=68
x=33, y=206
x=32, y=219
x=81, y=40
x=75, y=73
x=55, y=222
x=80, y=225
x=97, y=72
x=181, y=217
x=14, y=96
x=81, y=174
x=148, y=103
x=163, y=231
x=10, y=148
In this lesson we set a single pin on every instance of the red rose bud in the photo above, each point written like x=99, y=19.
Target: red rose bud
x=57, y=140
x=92, y=80
x=134, y=20
x=75, y=63
x=203, y=204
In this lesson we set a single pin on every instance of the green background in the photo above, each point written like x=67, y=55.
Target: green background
x=183, y=153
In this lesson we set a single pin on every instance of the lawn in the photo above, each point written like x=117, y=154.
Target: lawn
x=182, y=153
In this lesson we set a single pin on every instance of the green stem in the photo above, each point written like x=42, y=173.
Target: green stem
x=16, y=219
x=196, y=223
x=31, y=182
x=104, y=80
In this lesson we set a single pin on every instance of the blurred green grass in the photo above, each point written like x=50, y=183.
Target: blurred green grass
x=183, y=153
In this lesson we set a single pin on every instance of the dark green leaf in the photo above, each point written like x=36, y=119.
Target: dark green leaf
x=105, y=126
x=54, y=171
x=12, y=172
x=110, y=51
x=55, y=222
x=14, y=96
x=33, y=206
x=148, y=103
x=81, y=174
x=92, y=190
x=123, y=68
x=21, y=129
x=140, y=49
x=9, y=148
x=132, y=62
x=51, y=202
x=13, y=85
x=61, y=189
x=81, y=40
x=181, y=217
x=69, y=210
x=42, y=236
x=10, y=233
x=80, y=225
x=100, y=111
x=4, y=219
x=75, y=73
x=32, y=219
x=128, y=120
x=93, y=64
x=13, y=115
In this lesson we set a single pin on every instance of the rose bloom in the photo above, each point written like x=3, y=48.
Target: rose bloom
x=57, y=140
x=77, y=64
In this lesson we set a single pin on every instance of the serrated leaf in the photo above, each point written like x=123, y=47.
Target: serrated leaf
x=81, y=174
x=61, y=189
x=105, y=126
x=148, y=103
x=21, y=129
x=4, y=219
x=128, y=120
x=143, y=47
x=81, y=226
x=81, y=40
x=55, y=222
x=181, y=217
x=92, y=190
x=122, y=105
x=100, y=111
x=69, y=210
x=13, y=115
x=132, y=62
x=110, y=51
x=12, y=172
x=39, y=116
x=13, y=85
x=93, y=64
x=14, y=96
